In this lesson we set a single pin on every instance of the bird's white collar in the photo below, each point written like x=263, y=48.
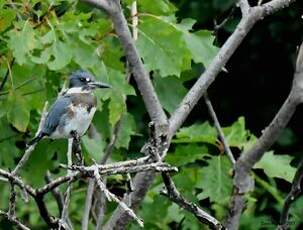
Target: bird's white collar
x=77, y=90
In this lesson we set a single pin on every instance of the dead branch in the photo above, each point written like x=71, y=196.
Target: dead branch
x=243, y=182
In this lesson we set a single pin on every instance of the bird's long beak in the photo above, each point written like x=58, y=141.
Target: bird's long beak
x=100, y=85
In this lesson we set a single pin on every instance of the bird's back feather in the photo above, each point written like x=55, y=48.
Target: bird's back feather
x=55, y=113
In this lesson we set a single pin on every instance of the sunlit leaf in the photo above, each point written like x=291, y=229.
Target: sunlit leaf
x=215, y=180
x=277, y=166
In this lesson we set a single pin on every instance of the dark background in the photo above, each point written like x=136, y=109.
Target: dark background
x=259, y=73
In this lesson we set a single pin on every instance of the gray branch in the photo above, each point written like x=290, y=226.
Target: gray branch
x=243, y=182
x=295, y=192
x=173, y=194
x=14, y=221
x=141, y=76
x=143, y=180
x=219, y=129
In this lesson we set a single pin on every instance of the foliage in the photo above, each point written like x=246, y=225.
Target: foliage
x=41, y=42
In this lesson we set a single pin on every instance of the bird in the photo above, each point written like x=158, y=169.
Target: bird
x=71, y=114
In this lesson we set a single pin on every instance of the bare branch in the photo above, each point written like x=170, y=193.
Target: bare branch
x=209, y=75
x=17, y=181
x=65, y=215
x=219, y=129
x=274, y=6
x=143, y=180
x=242, y=180
x=56, y=193
x=244, y=6
x=101, y=4
x=12, y=200
x=134, y=14
x=143, y=81
x=112, y=197
x=173, y=194
x=31, y=148
x=295, y=192
x=14, y=221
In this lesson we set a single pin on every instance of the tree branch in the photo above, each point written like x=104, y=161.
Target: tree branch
x=143, y=81
x=173, y=194
x=143, y=180
x=242, y=180
x=31, y=148
x=219, y=129
x=244, y=6
x=294, y=193
x=14, y=221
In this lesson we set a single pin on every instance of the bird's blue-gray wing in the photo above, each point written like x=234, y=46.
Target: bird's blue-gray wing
x=57, y=110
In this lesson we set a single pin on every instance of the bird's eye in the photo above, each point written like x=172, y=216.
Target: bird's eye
x=82, y=79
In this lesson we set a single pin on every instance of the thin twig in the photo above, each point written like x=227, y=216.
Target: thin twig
x=173, y=194
x=294, y=193
x=213, y=115
x=14, y=221
x=56, y=193
x=65, y=215
x=112, y=197
x=12, y=200
x=243, y=182
x=31, y=148
x=134, y=15
x=6, y=74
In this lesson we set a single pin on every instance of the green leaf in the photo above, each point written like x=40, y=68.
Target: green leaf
x=42, y=159
x=277, y=166
x=197, y=133
x=171, y=96
x=22, y=41
x=215, y=180
x=6, y=18
x=128, y=128
x=200, y=43
x=85, y=55
x=18, y=114
x=7, y=144
x=116, y=108
x=185, y=154
x=157, y=36
x=201, y=46
x=236, y=135
x=94, y=146
x=159, y=7
x=61, y=54
x=117, y=94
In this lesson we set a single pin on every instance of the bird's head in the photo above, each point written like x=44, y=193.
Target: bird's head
x=85, y=81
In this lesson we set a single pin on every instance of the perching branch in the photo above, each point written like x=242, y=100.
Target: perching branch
x=242, y=180
x=79, y=172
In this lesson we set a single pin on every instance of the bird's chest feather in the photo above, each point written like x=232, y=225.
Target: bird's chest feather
x=78, y=117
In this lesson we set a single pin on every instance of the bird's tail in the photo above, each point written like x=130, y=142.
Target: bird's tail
x=36, y=139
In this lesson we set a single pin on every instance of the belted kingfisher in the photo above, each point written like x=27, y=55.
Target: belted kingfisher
x=73, y=111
